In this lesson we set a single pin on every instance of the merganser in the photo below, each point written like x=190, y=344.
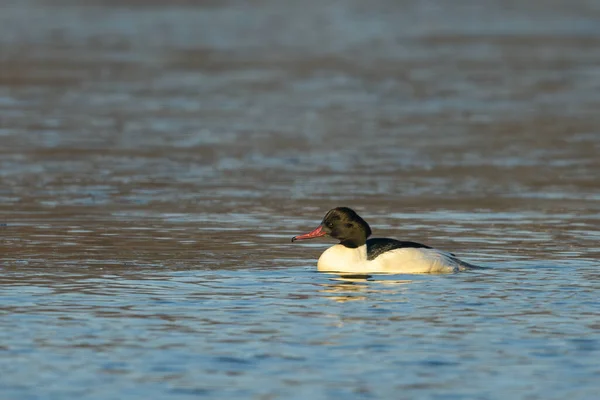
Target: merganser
x=357, y=254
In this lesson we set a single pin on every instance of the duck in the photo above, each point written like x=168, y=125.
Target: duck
x=357, y=254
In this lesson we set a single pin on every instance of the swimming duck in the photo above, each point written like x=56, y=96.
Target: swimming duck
x=356, y=253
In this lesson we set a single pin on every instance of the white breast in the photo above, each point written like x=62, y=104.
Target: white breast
x=408, y=260
x=343, y=259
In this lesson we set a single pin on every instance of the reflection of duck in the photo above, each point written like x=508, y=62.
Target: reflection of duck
x=358, y=255
x=357, y=287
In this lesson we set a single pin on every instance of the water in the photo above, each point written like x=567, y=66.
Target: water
x=155, y=161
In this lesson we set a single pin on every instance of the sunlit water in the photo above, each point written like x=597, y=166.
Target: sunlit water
x=155, y=161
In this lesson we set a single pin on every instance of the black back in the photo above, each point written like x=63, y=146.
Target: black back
x=378, y=246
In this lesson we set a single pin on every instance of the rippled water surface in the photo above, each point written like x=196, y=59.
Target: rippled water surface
x=157, y=157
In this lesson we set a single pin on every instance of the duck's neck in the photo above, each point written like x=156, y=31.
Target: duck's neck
x=341, y=258
x=356, y=239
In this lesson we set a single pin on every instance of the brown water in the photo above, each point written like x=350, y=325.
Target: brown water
x=156, y=158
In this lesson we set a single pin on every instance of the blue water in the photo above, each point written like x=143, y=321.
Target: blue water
x=526, y=332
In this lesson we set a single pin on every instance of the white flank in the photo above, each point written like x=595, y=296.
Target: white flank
x=408, y=260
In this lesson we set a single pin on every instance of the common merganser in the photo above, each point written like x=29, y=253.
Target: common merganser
x=357, y=254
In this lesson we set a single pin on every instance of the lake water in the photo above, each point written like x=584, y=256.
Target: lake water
x=157, y=157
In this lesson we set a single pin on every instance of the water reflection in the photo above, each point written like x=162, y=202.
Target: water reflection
x=358, y=287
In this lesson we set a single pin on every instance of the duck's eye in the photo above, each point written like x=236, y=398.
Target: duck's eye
x=330, y=225
x=349, y=225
